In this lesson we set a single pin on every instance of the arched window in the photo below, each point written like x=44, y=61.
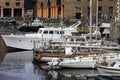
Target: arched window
x=41, y=5
x=78, y=15
x=48, y=3
x=58, y=2
x=49, y=11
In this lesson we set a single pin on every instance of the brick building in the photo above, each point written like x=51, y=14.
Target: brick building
x=75, y=9
x=28, y=4
x=12, y=8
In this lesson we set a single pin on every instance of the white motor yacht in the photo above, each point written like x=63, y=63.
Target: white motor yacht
x=44, y=35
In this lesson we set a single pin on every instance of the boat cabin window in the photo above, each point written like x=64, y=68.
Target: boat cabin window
x=61, y=32
x=56, y=32
x=45, y=32
x=72, y=39
x=75, y=34
x=50, y=32
x=80, y=40
x=112, y=64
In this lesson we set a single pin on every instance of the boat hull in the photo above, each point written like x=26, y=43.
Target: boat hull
x=80, y=63
x=22, y=42
x=108, y=70
x=85, y=62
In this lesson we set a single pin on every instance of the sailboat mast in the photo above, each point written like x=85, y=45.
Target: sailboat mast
x=96, y=17
x=90, y=22
x=118, y=10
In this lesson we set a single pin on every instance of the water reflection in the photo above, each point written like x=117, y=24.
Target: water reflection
x=19, y=66
x=66, y=74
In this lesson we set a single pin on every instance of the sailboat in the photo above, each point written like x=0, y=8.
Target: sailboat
x=109, y=67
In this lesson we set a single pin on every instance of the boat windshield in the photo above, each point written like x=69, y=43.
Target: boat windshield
x=112, y=64
x=40, y=31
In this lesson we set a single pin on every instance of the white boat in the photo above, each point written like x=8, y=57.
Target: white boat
x=84, y=62
x=44, y=35
x=77, y=62
x=31, y=27
x=110, y=68
x=37, y=22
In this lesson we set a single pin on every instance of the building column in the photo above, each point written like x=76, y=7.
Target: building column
x=22, y=12
x=12, y=14
x=44, y=13
x=1, y=12
x=62, y=11
x=37, y=12
x=56, y=12
x=51, y=12
x=40, y=13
